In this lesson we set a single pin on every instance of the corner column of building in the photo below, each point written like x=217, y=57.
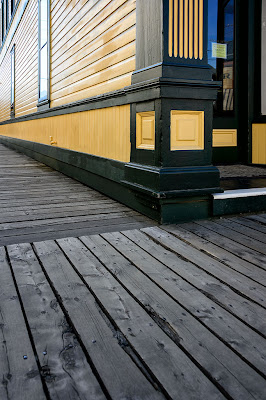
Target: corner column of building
x=171, y=121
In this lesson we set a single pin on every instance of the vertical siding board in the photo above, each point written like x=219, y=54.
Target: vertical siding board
x=181, y=28
x=176, y=28
x=104, y=132
x=170, y=33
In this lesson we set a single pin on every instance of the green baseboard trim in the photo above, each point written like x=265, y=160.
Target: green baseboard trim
x=107, y=176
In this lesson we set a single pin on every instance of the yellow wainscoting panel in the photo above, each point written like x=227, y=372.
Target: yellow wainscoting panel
x=145, y=130
x=104, y=132
x=187, y=130
x=224, y=137
x=259, y=143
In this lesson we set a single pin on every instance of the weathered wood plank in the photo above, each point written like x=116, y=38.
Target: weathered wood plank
x=103, y=214
x=227, y=229
x=20, y=378
x=225, y=274
x=66, y=371
x=145, y=337
x=250, y=223
x=51, y=199
x=34, y=208
x=221, y=364
x=96, y=228
x=229, y=244
x=187, y=232
x=113, y=364
x=235, y=333
x=245, y=309
x=89, y=209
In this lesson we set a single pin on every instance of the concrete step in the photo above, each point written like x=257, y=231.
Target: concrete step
x=239, y=201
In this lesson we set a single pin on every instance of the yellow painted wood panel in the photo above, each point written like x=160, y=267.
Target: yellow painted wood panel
x=105, y=87
x=88, y=18
x=145, y=130
x=187, y=130
x=224, y=138
x=96, y=47
x=92, y=49
x=91, y=29
x=100, y=77
x=259, y=143
x=104, y=132
x=26, y=67
x=92, y=69
x=70, y=13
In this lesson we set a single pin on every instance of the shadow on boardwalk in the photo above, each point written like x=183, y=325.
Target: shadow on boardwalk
x=132, y=311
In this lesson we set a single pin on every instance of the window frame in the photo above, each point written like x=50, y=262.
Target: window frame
x=12, y=83
x=44, y=100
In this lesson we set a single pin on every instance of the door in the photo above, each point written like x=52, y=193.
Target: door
x=226, y=58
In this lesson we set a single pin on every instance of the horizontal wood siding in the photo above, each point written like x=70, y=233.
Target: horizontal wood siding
x=104, y=132
x=5, y=88
x=92, y=48
x=25, y=40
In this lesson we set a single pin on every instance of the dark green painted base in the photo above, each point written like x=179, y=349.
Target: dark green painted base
x=185, y=209
x=107, y=176
x=239, y=205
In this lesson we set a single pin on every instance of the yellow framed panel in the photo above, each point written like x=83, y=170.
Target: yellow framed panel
x=259, y=143
x=145, y=130
x=224, y=138
x=187, y=130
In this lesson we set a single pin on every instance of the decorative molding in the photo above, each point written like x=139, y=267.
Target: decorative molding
x=185, y=36
x=187, y=130
x=145, y=130
x=224, y=138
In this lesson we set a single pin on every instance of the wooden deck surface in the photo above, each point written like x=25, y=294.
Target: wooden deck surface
x=171, y=312
x=38, y=203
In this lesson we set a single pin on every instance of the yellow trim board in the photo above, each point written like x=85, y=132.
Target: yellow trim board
x=145, y=130
x=224, y=138
x=187, y=130
x=259, y=143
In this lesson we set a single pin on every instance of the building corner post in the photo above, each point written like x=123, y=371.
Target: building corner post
x=171, y=121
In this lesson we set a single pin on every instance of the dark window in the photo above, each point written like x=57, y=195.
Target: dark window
x=43, y=49
x=2, y=19
x=12, y=54
x=12, y=6
x=7, y=14
x=221, y=53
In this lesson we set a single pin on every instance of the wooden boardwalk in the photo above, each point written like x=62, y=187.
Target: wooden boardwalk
x=153, y=313
x=38, y=203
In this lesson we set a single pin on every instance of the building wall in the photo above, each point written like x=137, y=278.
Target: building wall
x=104, y=132
x=25, y=39
x=92, y=48
x=92, y=51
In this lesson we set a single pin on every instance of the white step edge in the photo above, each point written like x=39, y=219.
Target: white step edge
x=233, y=194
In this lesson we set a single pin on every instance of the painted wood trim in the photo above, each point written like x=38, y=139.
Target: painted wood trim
x=186, y=30
x=224, y=138
x=102, y=132
x=145, y=130
x=187, y=130
x=259, y=143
